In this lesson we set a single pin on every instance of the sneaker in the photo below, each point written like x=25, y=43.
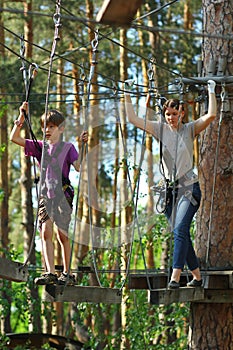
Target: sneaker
x=173, y=285
x=47, y=278
x=63, y=279
x=194, y=283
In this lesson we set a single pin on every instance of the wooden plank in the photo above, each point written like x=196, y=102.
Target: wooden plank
x=169, y=296
x=216, y=281
x=80, y=294
x=156, y=280
x=217, y=296
x=13, y=270
x=118, y=12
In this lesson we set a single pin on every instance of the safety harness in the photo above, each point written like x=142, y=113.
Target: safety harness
x=52, y=188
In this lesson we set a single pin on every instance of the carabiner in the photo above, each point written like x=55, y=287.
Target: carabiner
x=33, y=70
x=22, y=46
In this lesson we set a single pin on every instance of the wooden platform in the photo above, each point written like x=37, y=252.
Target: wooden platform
x=181, y=295
x=13, y=271
x=82, y=294
x=217, y=287
x=118, y=12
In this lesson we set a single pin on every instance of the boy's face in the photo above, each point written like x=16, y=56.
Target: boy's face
x=53, y=132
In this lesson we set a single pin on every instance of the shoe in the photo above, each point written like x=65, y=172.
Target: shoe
x=194, y=283
x=47, y=278
x=173, y=285
x=63, y=279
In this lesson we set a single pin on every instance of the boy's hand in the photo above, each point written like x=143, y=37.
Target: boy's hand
x=23, y=108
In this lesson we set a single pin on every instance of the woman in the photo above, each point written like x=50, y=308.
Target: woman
x=177, y=159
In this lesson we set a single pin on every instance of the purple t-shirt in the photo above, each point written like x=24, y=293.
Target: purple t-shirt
x=64, y=158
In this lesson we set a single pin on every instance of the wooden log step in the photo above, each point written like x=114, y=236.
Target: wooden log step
x=80, y=294
x=218, y=279
x=13, y=270
x=218, y=296
x=153, y=280
x=180, y=295
x=187, y=294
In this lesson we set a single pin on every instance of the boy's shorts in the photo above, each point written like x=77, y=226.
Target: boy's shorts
x=58, y=210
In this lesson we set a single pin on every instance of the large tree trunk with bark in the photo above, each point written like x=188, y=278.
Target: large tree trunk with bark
x=211, y=324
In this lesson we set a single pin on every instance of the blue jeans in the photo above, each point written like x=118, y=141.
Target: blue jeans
x=184, y=212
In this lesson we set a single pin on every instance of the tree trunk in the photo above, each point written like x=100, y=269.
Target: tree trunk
x=211, y=324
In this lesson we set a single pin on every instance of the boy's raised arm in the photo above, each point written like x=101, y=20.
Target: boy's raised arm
x=15, y=132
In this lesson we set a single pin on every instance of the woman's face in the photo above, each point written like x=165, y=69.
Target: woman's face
x=173, y=117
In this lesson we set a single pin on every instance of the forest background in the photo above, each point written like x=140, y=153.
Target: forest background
x=84, y=78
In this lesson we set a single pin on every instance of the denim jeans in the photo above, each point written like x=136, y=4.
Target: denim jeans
x=180, y=221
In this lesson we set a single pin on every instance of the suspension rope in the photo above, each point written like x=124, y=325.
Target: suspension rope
x=81, y=85
x=150, y=74
x=27, y=85
x=32, y=72
x=130, y=185
x=57, y=24
x=94, y=45
x=223, y=99
x=174, y=174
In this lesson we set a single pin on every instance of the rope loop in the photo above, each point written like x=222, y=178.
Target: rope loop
x=114, y=87
x=22, y=46
x=82, y=75
x=57, y=20
x=181, y=90
x=95, y=42
x=150, y=74
x=223, y=93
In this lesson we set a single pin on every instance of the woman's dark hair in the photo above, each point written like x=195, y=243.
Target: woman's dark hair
x=172, y=103
x=54, y=117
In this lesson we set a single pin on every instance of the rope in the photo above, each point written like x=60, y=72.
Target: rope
x=27, y=86
x=94, y=44
x=150, y=74
x=56, y=18
x=223, y=95
x=80, y=176
x=130, y=183
x=28, y=83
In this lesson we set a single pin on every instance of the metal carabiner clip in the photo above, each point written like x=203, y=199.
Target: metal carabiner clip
x=33, y=70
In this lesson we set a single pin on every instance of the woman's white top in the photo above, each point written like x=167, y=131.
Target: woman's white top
x=177, y=149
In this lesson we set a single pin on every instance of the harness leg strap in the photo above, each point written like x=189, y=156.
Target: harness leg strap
x=189, y=196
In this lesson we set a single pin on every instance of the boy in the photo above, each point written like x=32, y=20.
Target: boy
x=55, y=202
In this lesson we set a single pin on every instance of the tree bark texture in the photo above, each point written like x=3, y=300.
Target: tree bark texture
x=211, y=325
